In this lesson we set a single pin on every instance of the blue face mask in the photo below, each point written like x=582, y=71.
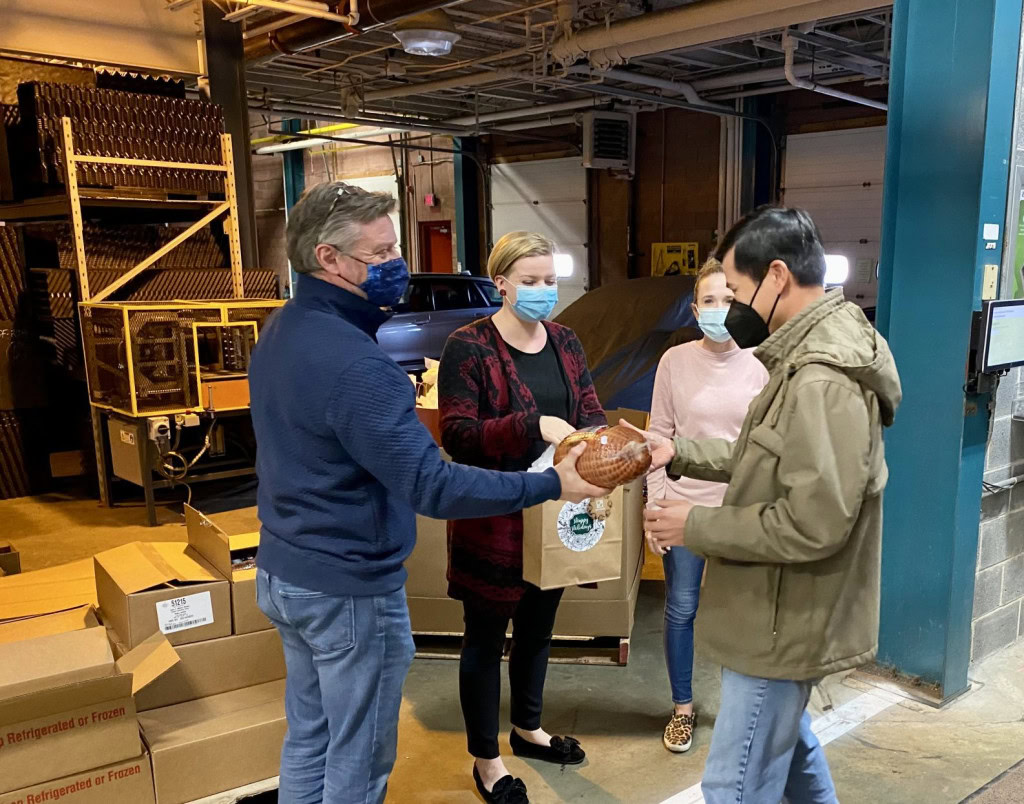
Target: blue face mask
x=534, y=303
x=385, y=281
x=711, y=321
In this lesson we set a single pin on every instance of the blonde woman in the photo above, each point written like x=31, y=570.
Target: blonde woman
x=702, y=390
x=509, y=386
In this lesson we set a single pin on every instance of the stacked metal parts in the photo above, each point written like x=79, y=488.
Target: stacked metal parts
x=157, y=343
x=195, y=270
x=152, y=359
x=119, y=124
x=20, y=387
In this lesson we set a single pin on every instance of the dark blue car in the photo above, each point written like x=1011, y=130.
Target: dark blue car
x=434, y=306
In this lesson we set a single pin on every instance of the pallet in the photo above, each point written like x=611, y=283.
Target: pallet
x=606, y=651
x=255, y=792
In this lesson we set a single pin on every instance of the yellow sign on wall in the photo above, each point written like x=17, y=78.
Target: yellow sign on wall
x=674, y=259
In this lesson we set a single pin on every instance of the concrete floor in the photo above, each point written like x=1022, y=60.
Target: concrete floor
x=909, y=752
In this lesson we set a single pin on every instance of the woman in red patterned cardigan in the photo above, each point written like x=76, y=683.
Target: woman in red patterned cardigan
x=509, y=386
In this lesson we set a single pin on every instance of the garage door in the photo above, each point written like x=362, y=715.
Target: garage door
x=837, y=177
x=547, y=196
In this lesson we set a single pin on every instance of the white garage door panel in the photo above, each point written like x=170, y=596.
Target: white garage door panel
x=835, y=158
x=849, y=215
x=837, y=176
x=546, y=196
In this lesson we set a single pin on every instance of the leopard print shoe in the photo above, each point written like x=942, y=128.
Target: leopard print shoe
x=679, y=733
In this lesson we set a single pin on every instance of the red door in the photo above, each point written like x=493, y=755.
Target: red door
x=436, y=247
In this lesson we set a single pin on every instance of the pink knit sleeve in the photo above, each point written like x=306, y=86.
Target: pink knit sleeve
x=662, y=421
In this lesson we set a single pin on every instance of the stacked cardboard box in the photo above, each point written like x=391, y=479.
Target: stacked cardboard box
x=68, y=725
x=215, y=721
x=10, y=559
x=211, y=710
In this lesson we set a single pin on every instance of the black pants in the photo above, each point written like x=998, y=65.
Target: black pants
x=480, y=667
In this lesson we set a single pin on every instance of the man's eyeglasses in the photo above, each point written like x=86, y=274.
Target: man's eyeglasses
x=343, y=190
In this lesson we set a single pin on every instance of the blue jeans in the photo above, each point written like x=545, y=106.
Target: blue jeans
x=347, y=658
x=763, y=748
x=683, y=572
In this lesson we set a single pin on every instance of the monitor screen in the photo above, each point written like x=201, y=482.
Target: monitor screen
x=1004, y=342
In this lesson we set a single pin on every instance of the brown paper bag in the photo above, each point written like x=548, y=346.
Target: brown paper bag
x=568, y=544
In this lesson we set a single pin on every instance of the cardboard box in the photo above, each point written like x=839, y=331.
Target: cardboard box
x=46, y=591
x=146, y=587
x=47, y=624
x=212, y=667
x=127, y=782
x=66, y=706
x=214, y=744
x=232, y=556
x=431, y=419
x=10, y=559
x=607, y=610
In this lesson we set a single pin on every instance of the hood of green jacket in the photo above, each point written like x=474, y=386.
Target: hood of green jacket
x=834, y=332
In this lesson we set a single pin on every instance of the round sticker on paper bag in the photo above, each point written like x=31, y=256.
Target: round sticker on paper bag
x=577, y=529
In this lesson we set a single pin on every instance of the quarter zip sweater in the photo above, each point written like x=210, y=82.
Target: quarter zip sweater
x=344, y=463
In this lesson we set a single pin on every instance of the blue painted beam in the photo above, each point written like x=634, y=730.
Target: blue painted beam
x=294, y=180
x=952, y=89
x=467, y=205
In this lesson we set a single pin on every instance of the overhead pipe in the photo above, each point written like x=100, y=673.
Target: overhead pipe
x=697, y=24
x=688, y=91
x=526, y=111
x=760, y=76
x=318, y=10
x=312, y=33
x=776, y=89
x=523, y=125
x=313, y=142
x=456, y=82
x=789, y=46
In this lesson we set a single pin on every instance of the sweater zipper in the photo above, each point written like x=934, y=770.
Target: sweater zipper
x=775, y=614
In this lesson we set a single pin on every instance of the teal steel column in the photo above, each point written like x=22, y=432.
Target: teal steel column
x=294, y=182
x=467, y=205
x=951, y=103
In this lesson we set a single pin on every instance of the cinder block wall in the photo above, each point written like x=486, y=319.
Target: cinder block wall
x=999, y=584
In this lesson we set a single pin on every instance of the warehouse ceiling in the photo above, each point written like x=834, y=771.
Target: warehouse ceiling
x=544, y=59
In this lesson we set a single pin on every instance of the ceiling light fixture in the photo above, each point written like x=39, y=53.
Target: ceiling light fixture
x=430, y=34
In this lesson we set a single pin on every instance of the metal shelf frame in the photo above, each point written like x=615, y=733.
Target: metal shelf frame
x=227, y=208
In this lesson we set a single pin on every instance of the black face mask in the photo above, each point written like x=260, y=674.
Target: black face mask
x=745, y=324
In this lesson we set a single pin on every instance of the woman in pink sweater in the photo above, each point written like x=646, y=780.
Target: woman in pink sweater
x=702, y=390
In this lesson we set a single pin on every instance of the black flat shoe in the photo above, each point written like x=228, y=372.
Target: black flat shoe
x=562, y=751
x=507, y=790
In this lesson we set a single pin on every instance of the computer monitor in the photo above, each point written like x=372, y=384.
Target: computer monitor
x=1003, y=333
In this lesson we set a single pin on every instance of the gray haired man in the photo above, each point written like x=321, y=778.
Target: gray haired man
x=344, y=464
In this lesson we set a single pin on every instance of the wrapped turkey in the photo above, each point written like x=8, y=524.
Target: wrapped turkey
x=614, y=455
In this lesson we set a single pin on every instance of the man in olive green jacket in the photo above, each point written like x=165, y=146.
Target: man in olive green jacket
x=793, y=554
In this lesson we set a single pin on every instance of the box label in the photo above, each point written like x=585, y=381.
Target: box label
x=183, y=613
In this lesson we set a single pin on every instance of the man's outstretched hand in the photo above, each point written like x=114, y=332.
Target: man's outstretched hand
x=663, y=452
x=574, y=487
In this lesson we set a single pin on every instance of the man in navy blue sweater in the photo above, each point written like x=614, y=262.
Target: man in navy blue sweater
x=344, y=465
